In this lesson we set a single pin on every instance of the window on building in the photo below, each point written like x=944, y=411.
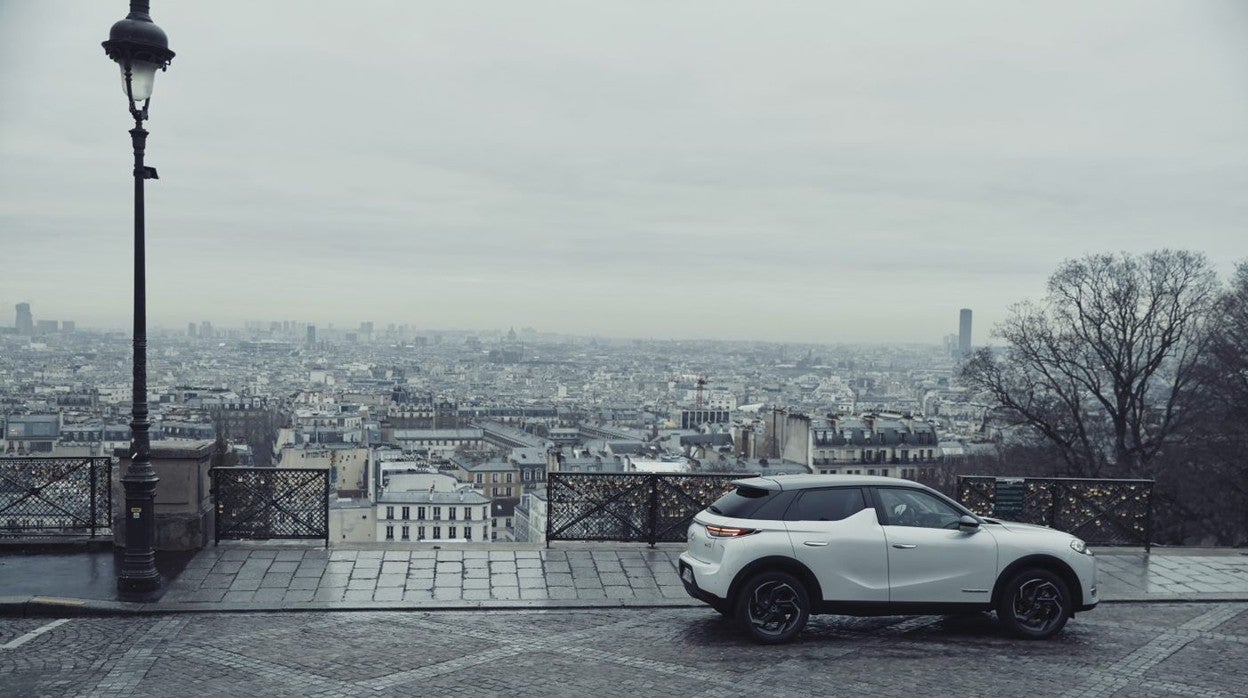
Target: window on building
x=407, y=533
x=437, y=514
x=389, y=532
x=450, y=532
x=467, y=514
x=467, y=532
x=420, y=513
x=480, y=478
x=437, y=532
x=494, y=477
x=420, y=532
x=407, y=513
x=509, y=477
x=389, y=512
x=450, y=514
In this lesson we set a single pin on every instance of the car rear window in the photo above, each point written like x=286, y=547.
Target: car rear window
x=753, y=503
x=742, y=502
x=827, y=505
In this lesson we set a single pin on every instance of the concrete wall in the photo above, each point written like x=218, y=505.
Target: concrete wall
x=352, y=524
x=796, y=444
x=183, y=507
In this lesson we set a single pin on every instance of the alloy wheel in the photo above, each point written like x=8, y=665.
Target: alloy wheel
x=1038, y=605
x=774, y=608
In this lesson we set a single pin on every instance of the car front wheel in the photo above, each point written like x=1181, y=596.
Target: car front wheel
x=773, y=607
x=1034, y=605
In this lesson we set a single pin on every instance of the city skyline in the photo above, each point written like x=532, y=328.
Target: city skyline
x=806, y=173
x=307, y=330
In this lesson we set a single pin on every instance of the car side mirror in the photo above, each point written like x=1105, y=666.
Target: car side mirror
x=968, y=523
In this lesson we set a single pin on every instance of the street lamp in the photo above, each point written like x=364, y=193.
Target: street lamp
x=140, y=49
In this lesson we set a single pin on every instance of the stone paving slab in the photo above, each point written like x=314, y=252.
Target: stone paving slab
x=253, y=577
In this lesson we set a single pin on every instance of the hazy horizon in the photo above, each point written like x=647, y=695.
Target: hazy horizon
x=806, y=173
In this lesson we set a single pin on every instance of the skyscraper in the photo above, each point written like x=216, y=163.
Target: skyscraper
x=964, y=332
x=311, y=336
x=25, y=324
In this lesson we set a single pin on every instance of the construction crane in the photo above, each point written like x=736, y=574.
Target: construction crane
x=701, y=385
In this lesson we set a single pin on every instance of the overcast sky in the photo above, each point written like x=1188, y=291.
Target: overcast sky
x=805, y=171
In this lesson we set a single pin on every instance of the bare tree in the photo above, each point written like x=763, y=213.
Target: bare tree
x=1103, y=367
x=1211, y=475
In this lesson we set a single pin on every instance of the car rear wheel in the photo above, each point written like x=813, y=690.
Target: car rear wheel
x=1034, y=605
x=773, y=607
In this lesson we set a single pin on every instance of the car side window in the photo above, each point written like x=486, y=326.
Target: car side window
x=826, y=505
x=904, y=507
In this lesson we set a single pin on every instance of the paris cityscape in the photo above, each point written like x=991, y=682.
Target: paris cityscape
x=372, y=399
x=398, y=348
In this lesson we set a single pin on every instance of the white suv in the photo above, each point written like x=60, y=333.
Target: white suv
x=777, y=549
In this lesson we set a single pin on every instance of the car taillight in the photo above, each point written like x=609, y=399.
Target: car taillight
x=728, y=531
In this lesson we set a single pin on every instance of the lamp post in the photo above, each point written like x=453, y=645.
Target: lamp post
x=140, y=48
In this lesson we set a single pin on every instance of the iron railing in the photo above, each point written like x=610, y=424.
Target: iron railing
x=66, y=496
x=632, y=507
x=1101, y=512
x=270, y=503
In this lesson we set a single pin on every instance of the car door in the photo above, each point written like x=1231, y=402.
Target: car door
x=835, y=533
x=931, y=559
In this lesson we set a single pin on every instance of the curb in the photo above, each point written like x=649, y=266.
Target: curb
x=45, y=606
x=57, y=607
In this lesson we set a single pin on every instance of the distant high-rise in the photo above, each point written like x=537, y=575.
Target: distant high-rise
x=68, y=326
x=964, y=332
x=192, y=330
x=311, y=336
x=25, y=324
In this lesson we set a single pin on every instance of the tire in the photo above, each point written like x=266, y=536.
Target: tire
x=773, y=607
x=1034, y=605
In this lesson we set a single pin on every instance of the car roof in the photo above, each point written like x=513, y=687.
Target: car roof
x=801, y=482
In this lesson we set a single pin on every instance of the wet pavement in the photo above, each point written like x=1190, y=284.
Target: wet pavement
x=84, y=574
x=300, y=576
x=1194, y=650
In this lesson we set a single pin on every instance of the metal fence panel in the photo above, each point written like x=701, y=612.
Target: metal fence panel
x=1101, y=512
x=630, y=507
x=271, y=503
x=69, y=496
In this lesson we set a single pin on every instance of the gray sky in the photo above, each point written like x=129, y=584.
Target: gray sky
x=806, y=171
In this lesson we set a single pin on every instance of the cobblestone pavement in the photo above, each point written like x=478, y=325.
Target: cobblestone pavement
x=1154, y=649
x=249, y=577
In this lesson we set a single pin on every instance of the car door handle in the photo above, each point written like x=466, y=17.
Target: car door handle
x=905, y=546
x=815, y=543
